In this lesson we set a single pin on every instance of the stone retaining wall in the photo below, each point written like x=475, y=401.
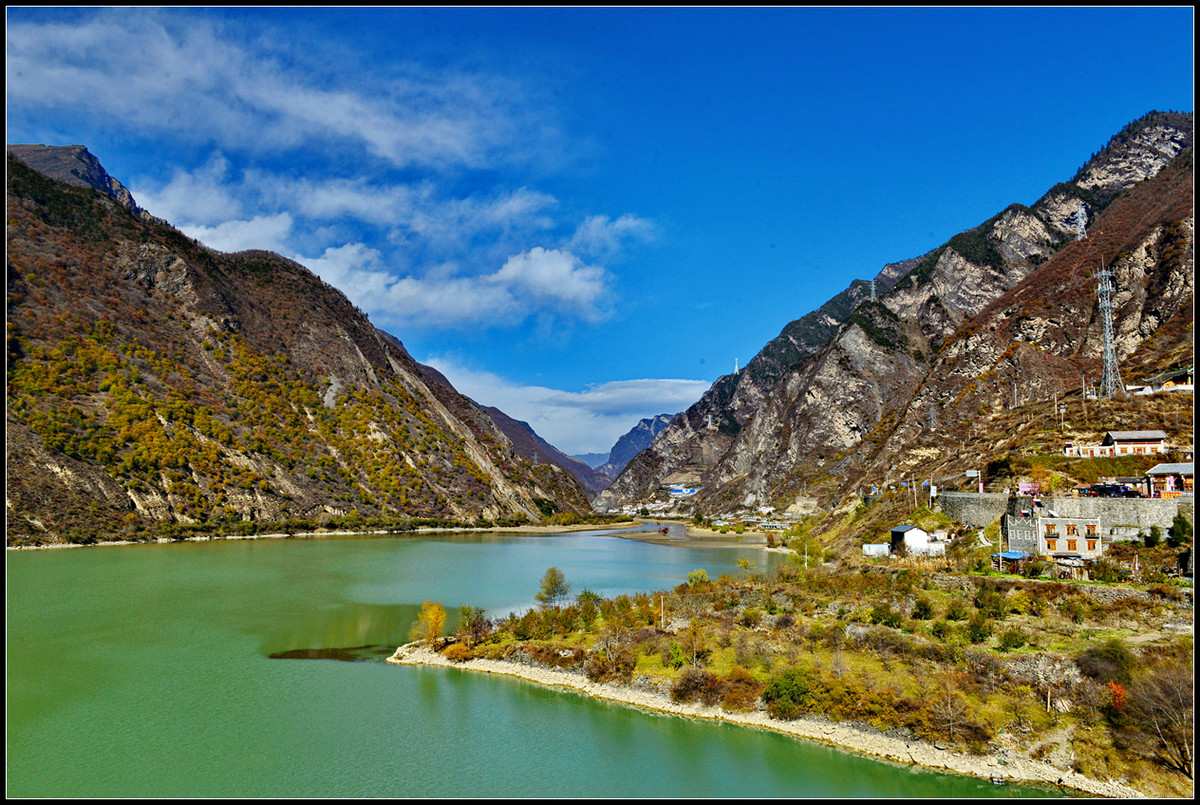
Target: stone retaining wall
x=1121, y=518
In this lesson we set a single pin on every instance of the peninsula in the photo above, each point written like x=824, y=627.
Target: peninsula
x=1012, y=679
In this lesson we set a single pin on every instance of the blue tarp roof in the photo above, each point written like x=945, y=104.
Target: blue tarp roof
x=1011, y=555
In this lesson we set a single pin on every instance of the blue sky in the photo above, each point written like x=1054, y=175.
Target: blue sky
x=584, y=216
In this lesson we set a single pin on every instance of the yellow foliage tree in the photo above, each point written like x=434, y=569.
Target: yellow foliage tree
x=430, y=621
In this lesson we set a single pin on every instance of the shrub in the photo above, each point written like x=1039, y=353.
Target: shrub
x=886, y=616
x=1011, y=638
x=1111, y=661
x=790, y=694
x=696, y=684
x=1180, y=532
x=741, y=690
x=979, y=628
x=458, y=652
x=922, y=609
x=957, y=610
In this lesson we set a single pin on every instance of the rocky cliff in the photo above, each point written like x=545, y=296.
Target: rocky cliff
x=1009, y=304
x=153, y=381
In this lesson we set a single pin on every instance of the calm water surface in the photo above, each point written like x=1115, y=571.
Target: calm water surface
x=147, y=671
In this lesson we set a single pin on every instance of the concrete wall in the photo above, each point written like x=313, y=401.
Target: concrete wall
x=973, y=508
x=1120, y=518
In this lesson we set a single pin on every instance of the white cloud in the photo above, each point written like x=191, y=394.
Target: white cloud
x=601, y=236
x=267, y=232
x=588, y=421
x=179, y=72
x=557, y=278
x=538, y=282
x=203, y=197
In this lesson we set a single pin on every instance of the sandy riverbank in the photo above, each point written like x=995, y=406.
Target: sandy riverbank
x=1010, y=768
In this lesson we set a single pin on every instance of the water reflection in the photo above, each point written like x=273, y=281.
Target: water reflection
x=352, y=633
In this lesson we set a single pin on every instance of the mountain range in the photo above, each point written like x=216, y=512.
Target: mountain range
x=873, y=387
x=156, y=383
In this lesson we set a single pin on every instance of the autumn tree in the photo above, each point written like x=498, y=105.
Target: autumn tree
x=1160, y=709
x=430, y=621
x=554, y=588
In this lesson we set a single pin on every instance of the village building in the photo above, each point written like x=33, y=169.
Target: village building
x=1028, y=531
x=1175, y=380
x=916, y=541
x=1121, y=443
x=1169, y=480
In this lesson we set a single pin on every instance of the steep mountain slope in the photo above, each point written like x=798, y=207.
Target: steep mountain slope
x=693, y=441
x=879, y=369
x=637, y=439
x=153, y=381
x=530, y=445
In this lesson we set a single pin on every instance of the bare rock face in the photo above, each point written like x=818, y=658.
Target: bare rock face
x=1136, y=153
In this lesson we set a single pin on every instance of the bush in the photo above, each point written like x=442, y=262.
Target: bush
x=922, y=609
x=1180, y=532
x=1111, y=661
x=979, y=628
x=957, y=610
x=695, y=684
x=458, y=652
x=1011, y=638
x=886, y=616
x=790, y=694
x=741, y=690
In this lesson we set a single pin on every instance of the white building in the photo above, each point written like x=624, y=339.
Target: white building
x=916, y=541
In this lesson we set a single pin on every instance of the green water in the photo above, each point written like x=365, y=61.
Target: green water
x=147, y=671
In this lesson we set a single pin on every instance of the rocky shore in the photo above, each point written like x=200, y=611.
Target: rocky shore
x=1008, y=766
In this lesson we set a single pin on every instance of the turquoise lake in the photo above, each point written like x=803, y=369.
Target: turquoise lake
x=147, y=671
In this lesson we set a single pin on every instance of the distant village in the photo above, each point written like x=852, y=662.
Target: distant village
x=1070, y=530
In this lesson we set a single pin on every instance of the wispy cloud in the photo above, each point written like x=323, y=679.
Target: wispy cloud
x=539, y=281
x=588, y=421
x=397, y=190
x=194, y=77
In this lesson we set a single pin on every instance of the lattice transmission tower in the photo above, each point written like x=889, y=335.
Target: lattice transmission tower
x=873, y=297
x=1079, y=220
x=1110, y=381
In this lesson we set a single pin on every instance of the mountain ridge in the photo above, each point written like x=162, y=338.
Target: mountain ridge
x=801, y=423
x=155, y=383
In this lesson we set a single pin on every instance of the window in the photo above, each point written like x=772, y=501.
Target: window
x=1071, y=544
x=1051, y=544
x=1091, y=544
x=1072, y=530
x=1051, y=529
x=1091, y=530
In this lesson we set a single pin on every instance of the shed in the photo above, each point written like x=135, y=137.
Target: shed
x=916, y=541
x=877, y=549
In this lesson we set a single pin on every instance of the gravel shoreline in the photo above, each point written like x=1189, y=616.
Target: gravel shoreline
x=990, y=767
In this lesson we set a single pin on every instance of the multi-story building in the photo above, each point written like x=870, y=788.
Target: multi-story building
x=1055, y=537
